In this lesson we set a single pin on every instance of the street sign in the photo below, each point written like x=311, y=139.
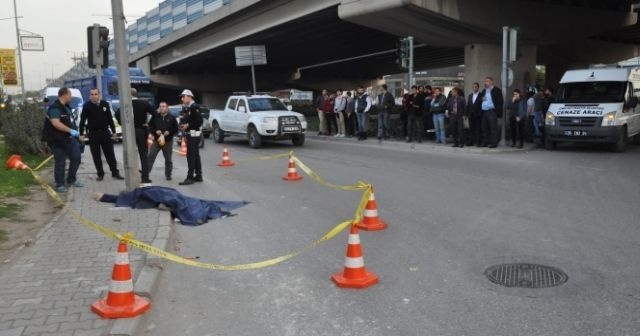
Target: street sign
x=8, y=67
x=31, y=43
x=251, y=55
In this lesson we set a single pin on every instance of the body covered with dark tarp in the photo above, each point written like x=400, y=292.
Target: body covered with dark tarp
x=191, y=211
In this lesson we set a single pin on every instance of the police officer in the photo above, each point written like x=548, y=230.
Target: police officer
x=62, y=137
x=142, y=110
x=190, y=124
x=101, y=129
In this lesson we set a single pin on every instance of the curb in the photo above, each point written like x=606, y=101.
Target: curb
x=146, y=283
x=427, y=146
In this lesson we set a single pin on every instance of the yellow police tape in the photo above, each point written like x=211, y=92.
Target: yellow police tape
x=128, y=237
x=44, y=162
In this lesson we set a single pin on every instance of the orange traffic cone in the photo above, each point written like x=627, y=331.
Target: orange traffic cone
x=225, y=159
x=149, y=141
x=121, y=301
x=15, y=162
x=183, y=147
x=354, y=274
x=292, y=173
x=370, y=220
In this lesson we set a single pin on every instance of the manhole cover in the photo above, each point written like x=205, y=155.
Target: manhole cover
x=525, y=275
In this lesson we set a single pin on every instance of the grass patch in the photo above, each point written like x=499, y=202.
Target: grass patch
x=4, y=235
x=16, y=182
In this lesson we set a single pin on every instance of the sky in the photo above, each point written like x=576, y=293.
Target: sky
x=64, y=27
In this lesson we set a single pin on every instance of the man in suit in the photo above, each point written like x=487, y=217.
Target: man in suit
x=491, y=106
x=474, y=112
x=142, y=111
x=385, y=103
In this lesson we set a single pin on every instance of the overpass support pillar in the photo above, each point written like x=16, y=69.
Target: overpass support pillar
x=482, y=60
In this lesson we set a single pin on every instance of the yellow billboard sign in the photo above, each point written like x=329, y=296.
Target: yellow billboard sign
x=8, y=66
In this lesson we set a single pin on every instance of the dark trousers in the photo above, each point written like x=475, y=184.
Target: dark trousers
x=529, y=128
x=489, y=128
x=404, y=117
x=330, y=121
x=457, y=130
x=193, y=158
x=143, y=152
x=167, y=150
x=61, y=152
x=101, y=139
x=350, y=123
x=415, y=127
x=517, y=131
x=475, y=129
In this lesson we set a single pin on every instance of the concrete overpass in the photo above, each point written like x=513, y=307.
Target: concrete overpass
x=301, y=33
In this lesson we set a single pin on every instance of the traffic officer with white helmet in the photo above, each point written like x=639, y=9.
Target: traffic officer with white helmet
x=190, y=125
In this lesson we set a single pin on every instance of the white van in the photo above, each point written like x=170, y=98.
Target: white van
x=595, y=105
x=76, y=103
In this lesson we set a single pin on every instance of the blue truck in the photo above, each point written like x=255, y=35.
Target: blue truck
x=139, y=80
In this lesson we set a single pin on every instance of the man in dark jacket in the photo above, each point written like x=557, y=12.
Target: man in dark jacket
x=474, y=112
x=163, y=126
x=190, y=124
x=142, y=110
x=416, y=107
x=492, y=103
x=62, y=137
x=96, y=114
x=385, y=103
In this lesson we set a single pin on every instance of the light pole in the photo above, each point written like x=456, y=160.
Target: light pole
x=15, y=16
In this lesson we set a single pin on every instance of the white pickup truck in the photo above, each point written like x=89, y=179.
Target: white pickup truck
x=258, y=117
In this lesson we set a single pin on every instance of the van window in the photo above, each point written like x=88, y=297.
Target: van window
x=592, y=92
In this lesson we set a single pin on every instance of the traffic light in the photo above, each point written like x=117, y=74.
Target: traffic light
x=98, y=46
x=402, y=52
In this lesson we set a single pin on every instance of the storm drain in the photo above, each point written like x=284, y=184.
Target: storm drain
x=525, y=275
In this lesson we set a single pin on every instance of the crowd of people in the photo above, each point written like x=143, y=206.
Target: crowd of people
x=66, y=138
x=470, y=120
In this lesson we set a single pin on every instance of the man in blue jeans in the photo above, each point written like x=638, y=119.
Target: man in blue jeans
x=62, y=137
x=438, y=107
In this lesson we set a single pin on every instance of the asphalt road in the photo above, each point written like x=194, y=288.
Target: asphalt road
x=451, y=215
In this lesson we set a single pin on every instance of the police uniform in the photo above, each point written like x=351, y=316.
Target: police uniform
x=100, y=127
x=62, y=145
x=193, y=119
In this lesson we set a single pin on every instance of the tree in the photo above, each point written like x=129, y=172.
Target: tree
x=22, y=128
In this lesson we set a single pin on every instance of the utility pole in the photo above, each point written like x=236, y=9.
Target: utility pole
x=505, y=82
x=15, y=15
x=411, y=73
x=509, y=55
x=132, y=177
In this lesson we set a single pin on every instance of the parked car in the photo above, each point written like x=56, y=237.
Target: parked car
x=598, y=105
x=258, y=117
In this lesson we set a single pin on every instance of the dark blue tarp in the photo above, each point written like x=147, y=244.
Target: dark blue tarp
x=190, y=211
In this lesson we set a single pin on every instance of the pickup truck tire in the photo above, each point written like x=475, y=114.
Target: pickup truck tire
x=621, y=144
x=218, y=133
x=636, y=139
x=297, y=139
x=549, y=145
x=255, y=139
